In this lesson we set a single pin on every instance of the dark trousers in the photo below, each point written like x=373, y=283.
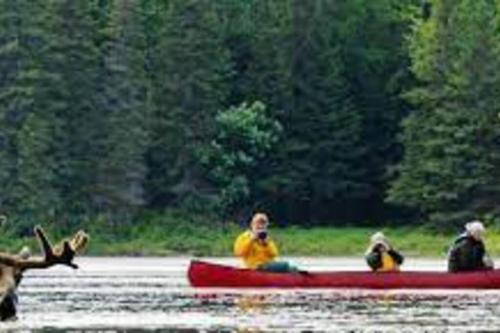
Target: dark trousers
x=278, y=267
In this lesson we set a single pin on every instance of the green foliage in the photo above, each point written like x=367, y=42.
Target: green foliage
x=191, y=68
x=124, y=121
x=73, y=143
x=332, y=84
x=111, y=110
x=80, y=115
x=245, y=136
x=449, y=171
x=173, y=234
x=321, y=160
x=27, y=125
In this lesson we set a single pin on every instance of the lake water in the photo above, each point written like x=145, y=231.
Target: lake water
x=152, y=294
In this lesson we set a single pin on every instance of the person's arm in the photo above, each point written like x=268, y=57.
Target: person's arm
x=374, y=260
x=477, y=255
x=398, y=257
x=483, y=259
x=243, y=244
x=488, y=262
x=457, y=260
x=272, y=249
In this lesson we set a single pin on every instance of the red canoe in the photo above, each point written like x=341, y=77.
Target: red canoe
x=203, y=274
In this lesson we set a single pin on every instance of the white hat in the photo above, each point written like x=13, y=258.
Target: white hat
x=378, y=238
x=475, y=228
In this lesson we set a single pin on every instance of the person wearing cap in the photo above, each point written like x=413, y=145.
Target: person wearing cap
x=257, y=249
x=381, y=256
x=468, y=252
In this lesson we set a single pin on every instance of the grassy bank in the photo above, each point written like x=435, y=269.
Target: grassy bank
x=291, y=241
x=164, y=240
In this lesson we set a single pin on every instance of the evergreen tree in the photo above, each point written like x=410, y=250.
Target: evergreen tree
x=321, y=163
x=332, y=57
x=120, y=170
x=13, y=58
x=238, y=26
x=107, y=105
x=449, y=171
x=74, y=63
x=269, y=60
x=192, y=66
x=373, y=46
x=27, y=124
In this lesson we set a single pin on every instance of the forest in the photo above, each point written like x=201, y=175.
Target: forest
x=321, y=112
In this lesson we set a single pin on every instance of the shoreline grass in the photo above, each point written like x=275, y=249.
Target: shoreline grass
x=168, y=240
x=292, y=241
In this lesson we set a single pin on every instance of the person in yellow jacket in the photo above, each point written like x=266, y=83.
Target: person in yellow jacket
x=381, y=256
x=258, y=250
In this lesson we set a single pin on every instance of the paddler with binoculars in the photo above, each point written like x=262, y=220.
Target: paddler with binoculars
x=258, y=250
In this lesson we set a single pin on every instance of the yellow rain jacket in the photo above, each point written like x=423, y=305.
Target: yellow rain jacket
x=253, y=252
x=385, y=261
x=388, y=263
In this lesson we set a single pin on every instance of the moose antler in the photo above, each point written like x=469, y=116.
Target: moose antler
x=62, y=254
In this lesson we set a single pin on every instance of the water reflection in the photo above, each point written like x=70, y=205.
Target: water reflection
x=252, y=303
x=351, y=310
x=139, y=295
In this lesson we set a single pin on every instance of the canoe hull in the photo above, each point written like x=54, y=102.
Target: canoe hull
x=204, y=274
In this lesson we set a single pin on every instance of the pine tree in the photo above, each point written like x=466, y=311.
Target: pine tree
x=12, y=96
x=121, y=170
x=74, y=64
x=449, y=171
x=192, y=66
x=312, y=62
x=321, y=163
x=27, y=125
x=269, y=27
x=373, y=46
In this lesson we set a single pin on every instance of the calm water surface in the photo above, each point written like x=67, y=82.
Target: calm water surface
x=152, y=294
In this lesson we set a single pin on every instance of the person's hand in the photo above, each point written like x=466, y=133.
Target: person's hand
x=260, y=235
x=381, y=247
x=488, y=262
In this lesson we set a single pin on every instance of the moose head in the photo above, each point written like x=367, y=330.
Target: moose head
x=12, y=267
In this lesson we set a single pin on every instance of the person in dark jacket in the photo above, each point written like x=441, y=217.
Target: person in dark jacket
x=468, y=252
x=381, y=256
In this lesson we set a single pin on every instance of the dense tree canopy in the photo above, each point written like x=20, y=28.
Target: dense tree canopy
x=368, y=110
x=449, y=171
